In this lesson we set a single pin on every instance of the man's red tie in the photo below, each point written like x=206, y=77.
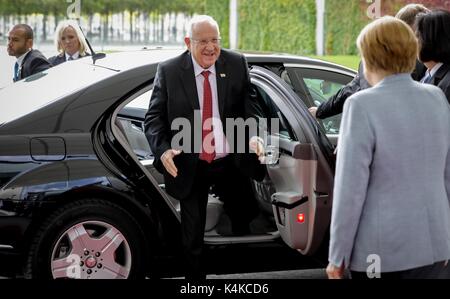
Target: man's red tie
x=208, y=146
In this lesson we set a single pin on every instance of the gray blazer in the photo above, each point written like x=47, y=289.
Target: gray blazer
x=392, y=185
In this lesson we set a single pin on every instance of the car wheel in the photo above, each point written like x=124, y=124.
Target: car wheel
x=88, y=239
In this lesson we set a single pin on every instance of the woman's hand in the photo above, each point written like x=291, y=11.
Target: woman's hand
x=334, y=272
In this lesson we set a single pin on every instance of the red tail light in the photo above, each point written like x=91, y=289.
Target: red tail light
x=301, y=218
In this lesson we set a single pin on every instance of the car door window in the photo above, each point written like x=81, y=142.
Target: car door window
x=320, y=91
x=130, y=121
x=318, y=86
x=271, y=112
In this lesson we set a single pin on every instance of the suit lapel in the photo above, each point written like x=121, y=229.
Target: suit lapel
x=222, y=84
x=22, y=67
x=442, y=71
x=188, y=79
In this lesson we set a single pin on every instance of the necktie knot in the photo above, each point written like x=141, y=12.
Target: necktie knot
x=70, y=58
x=206, y=74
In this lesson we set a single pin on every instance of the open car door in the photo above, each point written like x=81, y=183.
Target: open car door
x=299, y=164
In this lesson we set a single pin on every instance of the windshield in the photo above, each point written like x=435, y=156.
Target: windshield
x=37, y=91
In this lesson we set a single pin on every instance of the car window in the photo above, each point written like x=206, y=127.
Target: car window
x=142, y=101
x=321, y=90
x=272, y=112
x=316, y=86
x=130, y=121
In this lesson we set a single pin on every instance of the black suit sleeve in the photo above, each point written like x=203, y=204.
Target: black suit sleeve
x=157, y=128
x=335, y=105
x=39, y=64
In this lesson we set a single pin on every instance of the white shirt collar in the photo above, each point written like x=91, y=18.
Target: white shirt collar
x=21, y=58
x=74, y=56
x=198, y=69
x=434, y=70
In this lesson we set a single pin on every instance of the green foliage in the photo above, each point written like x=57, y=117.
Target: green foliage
x=264, y=25
x=220, y=10
x=344, y=21
x=348, y=61
x=277, y=25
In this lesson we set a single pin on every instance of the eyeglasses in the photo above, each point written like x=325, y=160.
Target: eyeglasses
x=205, y=42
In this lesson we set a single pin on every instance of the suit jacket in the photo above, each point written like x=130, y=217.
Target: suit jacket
x=33, y=63
x=175, y=96
x=335, y=104
x=61, y=58
x=442, y=80
x=392, y=187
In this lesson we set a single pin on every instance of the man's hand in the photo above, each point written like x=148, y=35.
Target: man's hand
x=257, y=146
x=334, y=272
x=169, y=164
x=313, y=111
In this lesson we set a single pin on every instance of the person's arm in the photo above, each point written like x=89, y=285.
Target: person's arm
x=156, y=124
x=354, y=157
x=335, y=104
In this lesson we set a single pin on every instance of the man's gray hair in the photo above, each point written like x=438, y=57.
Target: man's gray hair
x=201, y=19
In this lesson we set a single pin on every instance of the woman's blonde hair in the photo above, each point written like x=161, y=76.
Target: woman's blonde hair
x=388, y=44
x=74, y=25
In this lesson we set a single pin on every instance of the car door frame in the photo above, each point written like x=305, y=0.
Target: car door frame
x=307, y=131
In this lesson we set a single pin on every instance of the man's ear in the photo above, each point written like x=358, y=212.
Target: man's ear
x=187, y=41
x=29, y=44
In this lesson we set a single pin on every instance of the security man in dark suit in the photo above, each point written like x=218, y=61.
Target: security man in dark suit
x=205, y=83
x=434, y=36
x=335, y=104
x=70, y=43
x=29, y=61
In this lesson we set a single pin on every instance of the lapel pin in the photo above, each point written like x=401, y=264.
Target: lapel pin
x=223, y=75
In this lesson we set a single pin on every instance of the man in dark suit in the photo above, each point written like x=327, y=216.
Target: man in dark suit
x=29, y=61
x=434, y=37
x=205, y=83
x=335, y=104
x=441, y=79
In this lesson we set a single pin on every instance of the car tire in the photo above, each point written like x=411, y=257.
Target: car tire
x=89, y=238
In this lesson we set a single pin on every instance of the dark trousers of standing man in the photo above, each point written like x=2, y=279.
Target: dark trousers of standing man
x=239, y=203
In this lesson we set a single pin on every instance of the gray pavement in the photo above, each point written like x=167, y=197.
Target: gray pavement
x=295, y=274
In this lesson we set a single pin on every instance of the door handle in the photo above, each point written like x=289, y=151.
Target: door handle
x=320, y=194
x=271, y=155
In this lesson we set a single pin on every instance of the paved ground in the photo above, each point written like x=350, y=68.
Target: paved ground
x=294, y=274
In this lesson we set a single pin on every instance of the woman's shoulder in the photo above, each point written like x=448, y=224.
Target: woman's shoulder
x=56, y=58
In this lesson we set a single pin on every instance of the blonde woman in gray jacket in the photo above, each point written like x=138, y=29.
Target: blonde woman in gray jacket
x=391, y=212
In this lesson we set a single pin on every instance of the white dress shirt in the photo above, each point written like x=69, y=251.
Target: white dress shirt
x=20, y=61
x=222, y=147
x=74, y=56
x=432, y=72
